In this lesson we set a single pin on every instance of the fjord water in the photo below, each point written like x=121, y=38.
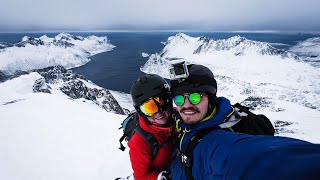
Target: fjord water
x=117, y=69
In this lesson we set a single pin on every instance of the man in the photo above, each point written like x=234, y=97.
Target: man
x=152, y=101
x=205, y=151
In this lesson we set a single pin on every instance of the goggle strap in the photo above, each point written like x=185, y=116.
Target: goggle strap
x=158, y=105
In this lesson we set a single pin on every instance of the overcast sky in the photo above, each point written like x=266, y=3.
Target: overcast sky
x=197, y=15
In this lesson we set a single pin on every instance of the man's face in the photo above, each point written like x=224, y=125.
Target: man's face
x=191, y=113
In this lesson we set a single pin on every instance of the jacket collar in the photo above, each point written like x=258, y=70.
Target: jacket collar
x=162, y=131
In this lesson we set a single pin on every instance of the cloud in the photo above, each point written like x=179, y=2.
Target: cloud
x=164, y=15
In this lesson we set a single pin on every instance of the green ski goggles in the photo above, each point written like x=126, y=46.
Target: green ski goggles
x=194, y=98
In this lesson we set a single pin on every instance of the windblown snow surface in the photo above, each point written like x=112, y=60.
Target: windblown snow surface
x=45, y=134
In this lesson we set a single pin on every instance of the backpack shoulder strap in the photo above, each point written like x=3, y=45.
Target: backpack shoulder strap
x=147, y=136
x=151, y=139
x=187, y=157
x=124, y=124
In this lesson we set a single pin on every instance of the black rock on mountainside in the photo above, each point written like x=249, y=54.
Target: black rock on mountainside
x=5, y=45
x=75, y=86
x=282, y=127
x=3, y=77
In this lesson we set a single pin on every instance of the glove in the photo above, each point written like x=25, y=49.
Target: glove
x=164, y=175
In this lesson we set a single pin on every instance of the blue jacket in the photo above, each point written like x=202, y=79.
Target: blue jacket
x=227, y=155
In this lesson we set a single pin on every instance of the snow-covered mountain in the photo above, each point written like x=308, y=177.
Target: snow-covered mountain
x=183, y=46
x=244, y=68
x=50, y=57
x=56, y=124
x=267, y=79
x=309, y=50
x=58, y=80
x=64, y=49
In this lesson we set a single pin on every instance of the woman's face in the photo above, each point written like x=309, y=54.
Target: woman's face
x=160, y=118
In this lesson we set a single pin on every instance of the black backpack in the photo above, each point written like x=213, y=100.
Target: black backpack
x=250, y=123
x=131, y=125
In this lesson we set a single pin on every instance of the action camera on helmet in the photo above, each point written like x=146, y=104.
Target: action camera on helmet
x=179, y=70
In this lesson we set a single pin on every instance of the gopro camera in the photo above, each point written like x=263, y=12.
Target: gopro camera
x=179, y=70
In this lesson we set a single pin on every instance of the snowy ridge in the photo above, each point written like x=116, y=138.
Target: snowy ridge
x=183, y=46
x=36, y=53
x=251, y=68
x=59, y=81
x=309, y=50
x=254, y=73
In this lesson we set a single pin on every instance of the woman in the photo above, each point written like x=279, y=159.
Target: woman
x=152, y=101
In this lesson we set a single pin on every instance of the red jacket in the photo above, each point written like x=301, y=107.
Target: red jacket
x=140, y=152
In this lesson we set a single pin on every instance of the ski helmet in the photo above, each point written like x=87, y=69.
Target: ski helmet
x=147, y=86
x=200, y=79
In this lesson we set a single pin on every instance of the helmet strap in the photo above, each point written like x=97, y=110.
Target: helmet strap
x=212, y=103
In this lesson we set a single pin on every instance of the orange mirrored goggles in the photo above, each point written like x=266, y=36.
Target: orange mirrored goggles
x=155, y=104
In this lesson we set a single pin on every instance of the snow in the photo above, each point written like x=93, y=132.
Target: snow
x=279, y=44
x=289, y=89
x=305, y=121
x=123, y=99
x=17, y=87
x=243, y=68
x=48, y=136
x=64, y=49
x=309, y=50
x=144, y=54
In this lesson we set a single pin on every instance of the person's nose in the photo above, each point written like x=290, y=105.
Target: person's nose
x=187, y=103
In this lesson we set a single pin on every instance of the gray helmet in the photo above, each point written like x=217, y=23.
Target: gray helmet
x=147, y=86
x=200, y=79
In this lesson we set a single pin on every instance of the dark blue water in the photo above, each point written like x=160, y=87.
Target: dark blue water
x=118, y=68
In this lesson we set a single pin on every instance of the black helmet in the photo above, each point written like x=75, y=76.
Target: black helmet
x=200, y=79
x=147, y=86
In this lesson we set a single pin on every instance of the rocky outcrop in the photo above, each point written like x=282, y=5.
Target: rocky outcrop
x=76, y=87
